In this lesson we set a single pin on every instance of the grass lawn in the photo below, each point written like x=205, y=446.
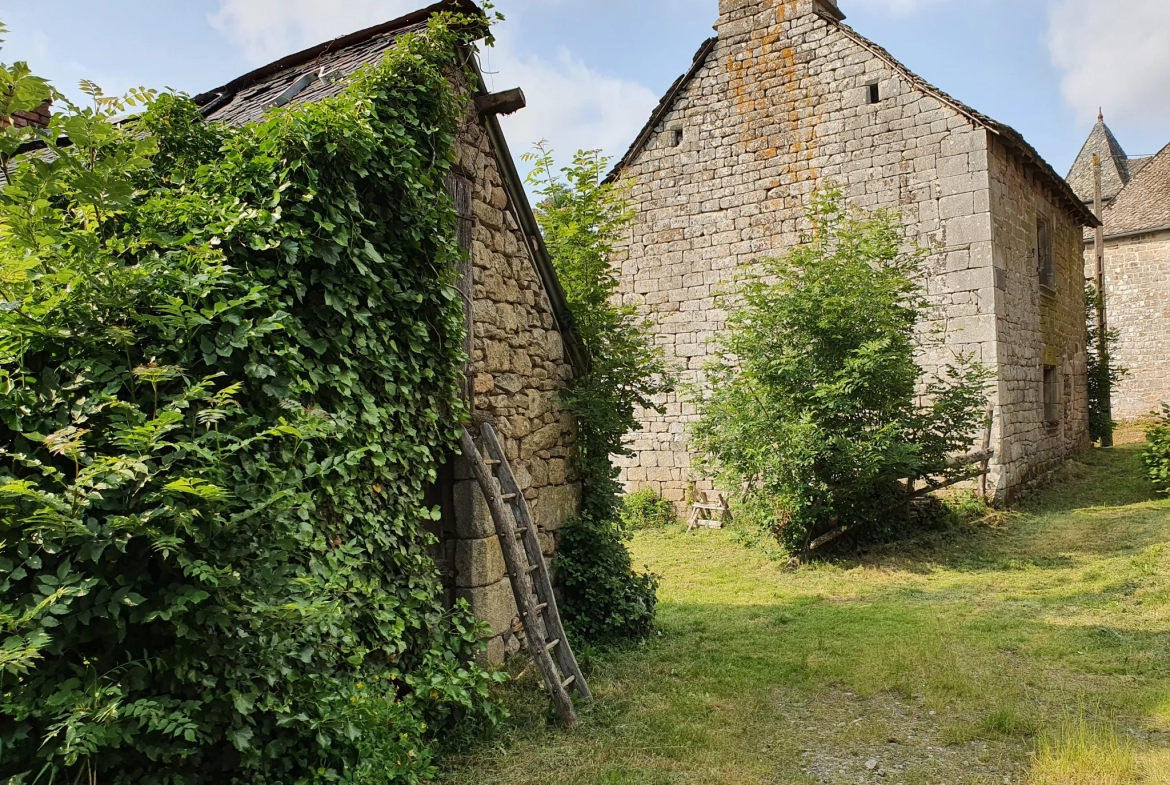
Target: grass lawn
x=1034, y=649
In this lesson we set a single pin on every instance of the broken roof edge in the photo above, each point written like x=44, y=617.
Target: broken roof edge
x=306, y=56
x=1012, y=138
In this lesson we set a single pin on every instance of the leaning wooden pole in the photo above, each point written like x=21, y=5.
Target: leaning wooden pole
x=1102, y=317
x=518, y=572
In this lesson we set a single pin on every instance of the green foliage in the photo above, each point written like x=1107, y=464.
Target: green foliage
x=583, y=219
x=810, y=409
x=1104, y=373
x=645, y=509
x=230, y=361
x=1157, y=454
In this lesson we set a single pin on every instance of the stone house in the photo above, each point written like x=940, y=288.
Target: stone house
x=522, y=348
x=786, y=98
x=1135, y=198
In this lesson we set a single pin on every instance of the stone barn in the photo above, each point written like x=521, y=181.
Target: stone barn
x=522, y=348
x=786, y=98
x=1135, y=198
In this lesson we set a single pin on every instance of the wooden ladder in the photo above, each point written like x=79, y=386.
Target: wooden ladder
x=527, y=572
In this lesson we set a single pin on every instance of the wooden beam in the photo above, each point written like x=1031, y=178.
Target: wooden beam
x=506, y=102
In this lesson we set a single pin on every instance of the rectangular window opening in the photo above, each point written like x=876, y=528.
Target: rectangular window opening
x=1046, y=265
x=676, y=137
x=875, y=93
x=1051, y=395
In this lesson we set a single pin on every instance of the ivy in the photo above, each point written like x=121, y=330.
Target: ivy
x=230, y=365
x=583, y=220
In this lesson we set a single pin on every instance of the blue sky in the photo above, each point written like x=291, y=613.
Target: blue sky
x=594, y=69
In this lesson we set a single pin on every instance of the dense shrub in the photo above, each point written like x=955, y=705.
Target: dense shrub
x=1157, y=455
x=811, y=410
x=645, y=509
x=582, y=219
x=230, y=360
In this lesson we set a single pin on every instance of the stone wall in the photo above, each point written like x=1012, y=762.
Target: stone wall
x=1037, y=325
x=1137, y=269
x=520, y=368
x=781, y=106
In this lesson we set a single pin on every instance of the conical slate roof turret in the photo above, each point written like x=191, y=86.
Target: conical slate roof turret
x=1114, y=164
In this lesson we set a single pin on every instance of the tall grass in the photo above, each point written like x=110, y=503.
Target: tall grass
x=1082, y=752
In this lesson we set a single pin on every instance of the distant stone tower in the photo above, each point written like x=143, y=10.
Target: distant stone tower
x=1135, y=193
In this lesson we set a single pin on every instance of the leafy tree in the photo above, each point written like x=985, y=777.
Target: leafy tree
x=1104, y=373
x=230, y=362
x=583, y=220
x=810, y=409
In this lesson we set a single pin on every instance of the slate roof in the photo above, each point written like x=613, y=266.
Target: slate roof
x=323, y=68
x=1115, y=168
x=1144, y=204
x=1011, y=138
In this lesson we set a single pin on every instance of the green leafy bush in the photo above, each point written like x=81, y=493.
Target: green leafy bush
x=810, y=410
x=1157, y=454
x=645, y=509
x=230, y=361
x=582, y=219
x=1103, y=374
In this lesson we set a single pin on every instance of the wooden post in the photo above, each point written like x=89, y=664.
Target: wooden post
x=1102, y=318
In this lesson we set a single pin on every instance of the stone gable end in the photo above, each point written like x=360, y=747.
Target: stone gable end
x=789, y=100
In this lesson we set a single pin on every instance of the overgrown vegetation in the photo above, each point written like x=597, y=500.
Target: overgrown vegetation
x=645, y=509
x=230, y=360
x=582, y=219
x=1157, y=455
x=810, y=411
x=1104, y=373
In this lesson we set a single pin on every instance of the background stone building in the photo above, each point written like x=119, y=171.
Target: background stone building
x=1136, y=197
x=522, y=352
x=786, y=98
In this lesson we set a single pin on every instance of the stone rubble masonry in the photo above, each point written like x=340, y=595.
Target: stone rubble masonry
x=1138, y=303
x=780, y=107
x=521, y=369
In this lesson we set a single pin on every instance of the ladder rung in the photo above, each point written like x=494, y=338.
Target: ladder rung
x=492, y=462
x=508, y=496
x=540, y=607
x=565, y=684
x=533, y=569
x=521, y=531
x=552, y=645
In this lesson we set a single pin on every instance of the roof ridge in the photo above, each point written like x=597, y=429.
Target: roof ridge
x=1011, y=136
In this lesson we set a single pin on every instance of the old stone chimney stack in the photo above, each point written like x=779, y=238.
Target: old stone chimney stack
x=737, y=17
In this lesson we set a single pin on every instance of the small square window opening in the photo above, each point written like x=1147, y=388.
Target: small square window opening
x=874, y=91
x=1046, y=265
x=1051, y=394
x=676, y=137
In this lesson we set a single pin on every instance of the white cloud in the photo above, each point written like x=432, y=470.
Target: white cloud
x=270, y=29
x=892, y=7
x=1114, y=54
x=570, y=104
